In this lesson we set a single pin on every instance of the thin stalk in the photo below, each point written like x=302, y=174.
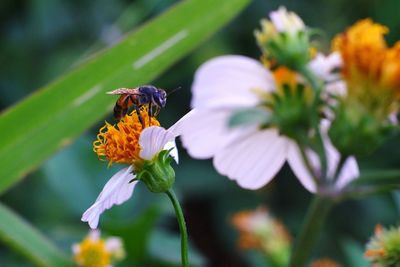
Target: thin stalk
x=315, y=218
x=317, y=86
x=182, y=227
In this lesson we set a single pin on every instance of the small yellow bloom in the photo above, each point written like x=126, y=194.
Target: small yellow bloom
x=96, y=252
x=120, y=143
x=325, y=263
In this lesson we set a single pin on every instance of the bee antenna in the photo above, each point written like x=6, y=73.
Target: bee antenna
x=174, y=90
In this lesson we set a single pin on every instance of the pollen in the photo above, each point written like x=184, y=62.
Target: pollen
x=120, y=143
x=93, y=253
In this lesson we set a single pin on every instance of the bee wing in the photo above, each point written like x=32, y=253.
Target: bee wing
x=122, y=91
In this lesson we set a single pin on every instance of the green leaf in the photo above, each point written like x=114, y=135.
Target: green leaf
x=248, y=116
x=53, y=116
x=136, y=234
x=25, y=239
x=165, y=247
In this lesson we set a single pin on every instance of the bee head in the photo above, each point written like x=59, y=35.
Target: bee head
x=160, y=97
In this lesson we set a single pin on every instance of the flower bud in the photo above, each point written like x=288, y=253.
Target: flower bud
x=354, y=132
x=158, y=175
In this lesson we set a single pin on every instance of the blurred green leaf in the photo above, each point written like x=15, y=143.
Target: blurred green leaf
x=248, y=116
x=354, y=253
x=136, y=235
x=382, y=177
x=25, y=239
x=165, y=247
x=55, y=115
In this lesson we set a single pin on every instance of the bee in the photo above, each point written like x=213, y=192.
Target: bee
x=137, y=97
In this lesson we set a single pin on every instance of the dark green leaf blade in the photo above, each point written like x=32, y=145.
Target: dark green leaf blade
x=28, y=241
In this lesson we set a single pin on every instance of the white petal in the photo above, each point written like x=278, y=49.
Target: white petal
x=113, y=244
x=174, y=150
x=349, y=172
x=285, y=21
x=253, y=159
x=152, y=140
x=94, y=235
x=116, y=191
x=323, y=66
x=76, y=248
x=203, y=133
x=299, y=168
x=229, y=81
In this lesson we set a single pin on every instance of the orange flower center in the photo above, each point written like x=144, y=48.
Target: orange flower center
x=120, y=143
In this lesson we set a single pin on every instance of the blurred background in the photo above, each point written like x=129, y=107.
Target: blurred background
x=42, y=39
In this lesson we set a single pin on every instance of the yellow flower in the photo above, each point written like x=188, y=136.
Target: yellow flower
x=370, y=68
x=120, y=143
x=96, y=252
x=324, y=263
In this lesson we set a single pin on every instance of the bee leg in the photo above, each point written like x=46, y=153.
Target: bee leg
x=158, y=109
x=150, y=112
x=137, y=109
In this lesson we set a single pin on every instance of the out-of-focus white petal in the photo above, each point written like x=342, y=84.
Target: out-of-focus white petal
x=116, y=191
x=113, y=244
x=152, y=140
x=296, y=163
x=285, y=21
x=204, y=132
x=76, y=248
x=323, y=66
x=252, y=160
x=227, y=81
x=94, y=234
x=349, y=172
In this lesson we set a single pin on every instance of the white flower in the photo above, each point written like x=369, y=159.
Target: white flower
x=120, y=187
x=248, y=155
x=285, y=21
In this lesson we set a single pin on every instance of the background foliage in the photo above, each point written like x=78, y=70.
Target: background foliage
x=43, y=39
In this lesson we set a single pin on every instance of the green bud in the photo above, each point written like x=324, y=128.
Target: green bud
x=158, y=175
x=292, y=112
x=383, y=249
x=355, y=131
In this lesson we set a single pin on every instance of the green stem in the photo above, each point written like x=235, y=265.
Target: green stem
x=182, y=227
x=315, y=218
x=317, y=86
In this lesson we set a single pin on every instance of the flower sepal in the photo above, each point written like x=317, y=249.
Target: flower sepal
x=353, y=128
x=158, y=174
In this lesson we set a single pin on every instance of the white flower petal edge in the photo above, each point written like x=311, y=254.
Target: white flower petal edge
x=154, y=139
x=285, y=21
x=253, y=159
x=323, y=66
x=349, y=172
x=227, y=81
x=116, y=191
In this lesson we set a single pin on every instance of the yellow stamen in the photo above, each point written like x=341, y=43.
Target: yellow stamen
x=120, y=143
x=93, y=253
